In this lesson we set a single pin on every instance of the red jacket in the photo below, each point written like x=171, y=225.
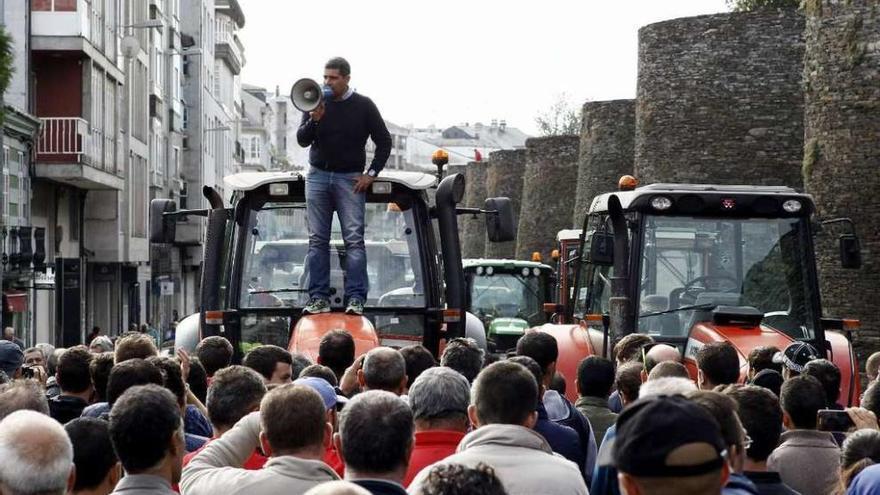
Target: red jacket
x=431, y=446
x=254, y=462
x=334, y=460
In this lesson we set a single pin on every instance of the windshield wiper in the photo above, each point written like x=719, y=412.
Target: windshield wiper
x=271, y=291
x=683, y=308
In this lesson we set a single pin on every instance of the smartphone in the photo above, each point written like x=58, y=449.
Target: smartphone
x=833, y=420
x=27, y=372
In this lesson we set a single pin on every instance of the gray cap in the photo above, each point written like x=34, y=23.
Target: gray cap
x=11, y=357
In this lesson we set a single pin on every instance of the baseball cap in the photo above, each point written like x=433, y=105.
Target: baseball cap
x=796, y=356
x=11, y=357
x=652, y=431
x=324, y=389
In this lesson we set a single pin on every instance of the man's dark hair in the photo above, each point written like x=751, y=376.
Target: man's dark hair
x=298, y=362
x=871, y=398
x=505, y=393
x=99, y=371
x=215, y=352
x=860, y=445
x=723, y=409
x=418, y=358
x=668, y=369
x=143, y=423
x=541, y=347
x=319, y=371
x=129, y=373
x=235, y=391
x=293, y=417
x=173, y=377
x=464, y=356
x=22, y=394
x=761, y=358
x=801, y=398
x=457, y=479
x=264, y=358
x=135, y=345
x=340, y=64
x=377, y=432
x=384, y=369
x=336, y=351
x=558, y=383
x=531, y=365
x=629, y=379
x=73, y=370
x=719, y=363
x=93, y=453
x=630, y=346
x=828, y=375
x=197, y=379
x=595, y=377
x=759, y=412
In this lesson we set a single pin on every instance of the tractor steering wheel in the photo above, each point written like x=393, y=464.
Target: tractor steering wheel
x=691, y=289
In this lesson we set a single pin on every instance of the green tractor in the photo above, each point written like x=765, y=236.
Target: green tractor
x=508, y=296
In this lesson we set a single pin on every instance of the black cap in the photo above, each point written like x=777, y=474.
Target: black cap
x=651, y=429
x=796, y=356
x=769, y=379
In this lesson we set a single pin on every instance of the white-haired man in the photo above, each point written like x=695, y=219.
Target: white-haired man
x=37, y=455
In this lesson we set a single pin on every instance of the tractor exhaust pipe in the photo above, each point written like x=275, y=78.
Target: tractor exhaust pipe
x=620, y=305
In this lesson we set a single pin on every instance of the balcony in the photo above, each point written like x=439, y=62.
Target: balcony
x=228, y=48
x=71, y=152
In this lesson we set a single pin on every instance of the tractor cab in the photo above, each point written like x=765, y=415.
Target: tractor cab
x=255, y=273
x=695, y=264
x=507, y=296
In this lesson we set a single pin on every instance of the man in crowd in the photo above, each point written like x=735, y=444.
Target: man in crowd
x=97, y=468
x=37, y=455
x=33, y=356
x=659, y=353
x=806, y=459
x=418, y=359
x=298, y=362
x=272, y=362
x=668, y=369
x=439, y=400
x=759, y=411
x=795, y=356
x=336, y=132
x=828, y=375
x=22, y=394
x=384, y=369
x=327, y=392
x=9, y=335
x=336, y=351
x=504, y=401
x=595, y=377
x=291, y=428
x=376, y=439
x=215, y=353
x=101, y=344
x=122, y=377
x=668, y=445
x=99, y=372
x=761, y=358
x=717, y=364
x=320, y=371
x=235, y=392
x=11, y=359
x=464, y=356
x=135, y=346
x=455, y=479
x=146, y=429
x=197, y=428
x=627, y=349
x=872, y=365
x=72, y=375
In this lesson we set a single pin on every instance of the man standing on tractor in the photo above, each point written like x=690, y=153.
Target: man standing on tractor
x=337, y=132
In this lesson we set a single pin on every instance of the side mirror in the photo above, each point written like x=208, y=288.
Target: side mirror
x=850, y=251
x=500, y=224
x=162, y=230
x=601, y=249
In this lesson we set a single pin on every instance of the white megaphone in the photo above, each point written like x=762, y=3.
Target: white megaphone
x=306, y=94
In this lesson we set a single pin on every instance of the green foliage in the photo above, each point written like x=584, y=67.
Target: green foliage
x=6, y=61
x=562, y=118
x=751, y=5
x=812, y=153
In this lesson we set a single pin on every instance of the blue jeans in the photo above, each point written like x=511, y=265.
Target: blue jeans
x=327, y=192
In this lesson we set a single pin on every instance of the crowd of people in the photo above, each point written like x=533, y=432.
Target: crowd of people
x=117, y=417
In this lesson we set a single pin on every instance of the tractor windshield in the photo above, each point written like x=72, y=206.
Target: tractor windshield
x=496, y=294
x=276, y=274
x=690, y=265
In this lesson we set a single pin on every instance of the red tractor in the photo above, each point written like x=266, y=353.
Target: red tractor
x=693, y=264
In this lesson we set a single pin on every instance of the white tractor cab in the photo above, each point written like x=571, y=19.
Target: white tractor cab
x=508, y=297
x=254, y=276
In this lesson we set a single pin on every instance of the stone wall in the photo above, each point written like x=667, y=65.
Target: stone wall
x=472, y=228
x=606, y=150
x=842, y=152
x=549, y=186
x=504, y=177
x=720, y=99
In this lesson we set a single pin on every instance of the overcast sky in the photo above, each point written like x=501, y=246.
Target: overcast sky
x=453, y=61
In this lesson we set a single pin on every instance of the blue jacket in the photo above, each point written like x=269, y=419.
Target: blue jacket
x=562, y=439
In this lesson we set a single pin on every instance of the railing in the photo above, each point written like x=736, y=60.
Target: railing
x=64, y=139
x=224, y=36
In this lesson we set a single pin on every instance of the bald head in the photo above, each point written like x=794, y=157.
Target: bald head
x=37, y=455
x=338, y=488
x=661, y=353
x=384, y=369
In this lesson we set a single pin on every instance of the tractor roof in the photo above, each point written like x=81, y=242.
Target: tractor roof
x=568, y=234
x=248, y=181
x=499, y=263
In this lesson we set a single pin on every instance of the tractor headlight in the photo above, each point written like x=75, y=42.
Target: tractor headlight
x=792, y=206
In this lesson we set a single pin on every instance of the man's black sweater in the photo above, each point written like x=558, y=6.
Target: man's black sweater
x=339, y=138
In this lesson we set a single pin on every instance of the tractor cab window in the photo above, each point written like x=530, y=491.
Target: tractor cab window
x=690, y=266
x=276, y=272
x=502, y=293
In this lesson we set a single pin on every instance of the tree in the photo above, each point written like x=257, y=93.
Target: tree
x=560, y=119
x=750, y=5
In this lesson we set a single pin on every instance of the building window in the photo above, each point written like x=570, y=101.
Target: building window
x=254, y=148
